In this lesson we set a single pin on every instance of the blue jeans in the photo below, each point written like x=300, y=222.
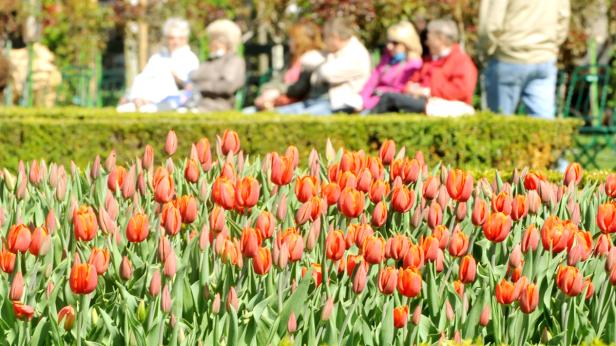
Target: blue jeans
x=534, y=84
x=312, y=107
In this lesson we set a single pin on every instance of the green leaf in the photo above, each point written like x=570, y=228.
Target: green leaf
x=41, y=329
x=233, y=328
x=295, y=302
x=386, y=335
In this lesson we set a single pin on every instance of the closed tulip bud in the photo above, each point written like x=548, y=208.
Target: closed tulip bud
x=401, y=316
x=458, y=244
x=435, y=215
x=480, y=212
x=387, y=151
x=126, y=268
x=99, y=258
x=170, y=265
x=573, y=174
x=262, y=261
x=171, y=144
x=364, y=180
x=467, y=270
x=281, y=170
x=155, y=283
x=129, y=183
x=66, y=317
x=283, y=257
x=506, y=292
x=191, y=172
x=610, y=185
x=431, y=187
x=171, y=219
x=417, y=217
x=17, y=287
x=379, y=214
x=529, y=298
x=461, y=211
x=216, y=304
x=416, y=315
x=439, y=263
x=589, y=288
x=515, y=258
x=204, y=238
x=547, y=193
x=19, y=238
x=458, y=287
x=50, y=221
x=606, y=217
x=230, y=142
x=360, y=278
x=40, y=242
x=485, y=316
x=164, y=188
x=292, y=323
x=232, y=300
x=530, y=239
x=165, y=302
x=448, y=311
x=443, y=197
x=409, y=282
x=327, y=309
x=204, y=153
x=188, y=208
x=84, y=223
x=534, y=201
x=388, y=279
x=95, y=170
x=603, y=245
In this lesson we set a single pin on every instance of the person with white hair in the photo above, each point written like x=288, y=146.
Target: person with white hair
x=166, y=72
x=444, y=85
x=218, y=78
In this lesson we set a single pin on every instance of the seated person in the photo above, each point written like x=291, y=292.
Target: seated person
x=402, y=58
x=448, y=74
x=306, y=44
x=218, y=78
x=165, y=73
x=343, y=74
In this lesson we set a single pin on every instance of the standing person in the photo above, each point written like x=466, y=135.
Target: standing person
x=219, y=77
x=447, y=78
x=344, y=72
x=165, y=73
x=521, y=40
x=402, y=58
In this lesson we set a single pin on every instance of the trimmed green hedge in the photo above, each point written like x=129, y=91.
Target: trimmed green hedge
x=485, y=140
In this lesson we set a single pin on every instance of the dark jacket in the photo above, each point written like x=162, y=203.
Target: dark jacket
x=217, y=80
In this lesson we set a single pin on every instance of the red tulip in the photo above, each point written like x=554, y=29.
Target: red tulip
x=374, y=250
x=401, y=316
x=532, y=180
x=458, y=244
x=66, y=317
x=247, y=192
x=606, y=217
x=116, y=178
x=387, y=151
x=506, y=292
x=230, y=142
x=335, y=245
x=7, y=260
x=223, y=193
x=19, y=238
x=164, y=188
x=379, y=214
x=610, y=185
x=402, y=199
x=306, y=187
x=251, y=241
x=262, y=261
x=589, y=288
x=282, y=170
x=388, y=279
x=497, y=227
x=83, y=278
x=265, y=224
x=170, y=219
x=40, y=242
x=569, y=280
x=467, y=270
x=530, y=239
x=573, y=174
x=529, y=298
x=459, y=185
x=351, y=202
x=555, y=234
x=22, y=311
x=99, y=258
x=84, y=223
x=360, y=278
x=519, y=207
x=409, y=282
x=480, y=212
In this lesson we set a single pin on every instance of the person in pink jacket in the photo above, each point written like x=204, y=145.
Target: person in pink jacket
x=402, y=58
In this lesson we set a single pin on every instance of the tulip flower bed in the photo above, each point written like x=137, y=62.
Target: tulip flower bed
x=217, y=247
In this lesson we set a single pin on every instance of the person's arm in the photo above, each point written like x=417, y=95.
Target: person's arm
x=231, y=79
x=564, y=14
x=368, y=90
x=491, y=22
x=343, y=68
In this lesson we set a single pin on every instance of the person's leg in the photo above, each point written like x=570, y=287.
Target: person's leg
x=394, y=102
x=503, y=86
x=319, y=107
x=540, y=90
x=293, y=108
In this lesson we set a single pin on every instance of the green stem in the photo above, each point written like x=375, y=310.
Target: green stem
x=82, y=316
x=348, y=318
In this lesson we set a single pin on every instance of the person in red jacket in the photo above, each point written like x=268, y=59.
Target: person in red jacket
x=448, y=73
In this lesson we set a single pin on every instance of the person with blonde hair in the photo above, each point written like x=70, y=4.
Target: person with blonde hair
x=166, y=72
x=218, y=78
x=402, y=58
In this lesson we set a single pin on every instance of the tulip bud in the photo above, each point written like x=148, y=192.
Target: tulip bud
x=170, y=265
x=449, y=310
x=155, y=284
x=141, y=313
x=515, y=258
x=416, y=315
x=171, y=144
x=281, y=211
x=327, y=309
x=95, y=170
x=216, y=304
x=360, y=278
x=292, y=323
x=484, y=319
x=461, y=211
x=165, y=301
x=66, y=317
x=17, y=287
x=126, y=269
x=232, y=300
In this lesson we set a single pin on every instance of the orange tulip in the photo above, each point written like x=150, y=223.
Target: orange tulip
x=306, y=187
x=374, y=249
x=137, y=229
x=99, y=258
x=610, y=185
x=589, y=288
x=480, y=212
x=435, y=215
x=351, y=202
x=265, y=224
x=569, y=280
x=379, y=214
x=331, y=193
x=84, y=223
x=378, y=190
x=506, y=292
x=164, y=188
x=19, y=238
x=467, y=270
x=83, y=278
x=458, y=287
x=353, y=261
x=204, y=153
x=529, y=298
x=40, y=242
x=171, y=144
x=580, y=247
x=251, y=241
x=459, y=185
x=66, y=317
x=294, y=242
x=401, y=316
x=317, y=273
x=282, y=170
x=364, y=180
x=407, y=169
x=192, y=172
x=223, y=193
x=519, y=207
x=603, y=245
x=409, y=282
x=606, y=217
x=530, y=239
x=555, y=234
x=402, y=199
x=170, y=219
x=532, y=180
x=262, y=261
x=387, y=151
x=17, y=287
x=7, y=261
x=397, y=247
x=497, y=227
x=362, y=233
x=414, y=258
x=431, y=187
x=188, y=208
x=22, y=311
x=230, y=142
x=116, y=178
x=458, y=244
x=388, y=279
x=247, y=192
x=573, y=174
x=335, y=245
x=126, y=268
x=231, y=252
x=430, y=245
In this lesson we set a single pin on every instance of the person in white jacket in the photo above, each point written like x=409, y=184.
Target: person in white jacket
x=344, y=73
x=166, y=72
